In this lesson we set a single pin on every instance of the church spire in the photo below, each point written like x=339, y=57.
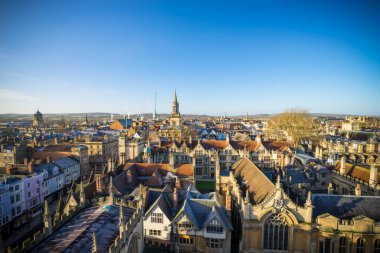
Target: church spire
x=175, y=96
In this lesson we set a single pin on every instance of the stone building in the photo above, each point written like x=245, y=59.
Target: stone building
x=38, y=120
x=266, y=219
x=174, y=130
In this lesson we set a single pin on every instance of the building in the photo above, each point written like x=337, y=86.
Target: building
x=70, y=168
x=121, y=124
x=38, y=120
x=266, y=219
x=174, y=130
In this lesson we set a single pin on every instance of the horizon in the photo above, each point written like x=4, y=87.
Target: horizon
x=256, y=57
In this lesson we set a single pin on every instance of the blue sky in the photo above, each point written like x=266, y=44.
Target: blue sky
x=222, y=57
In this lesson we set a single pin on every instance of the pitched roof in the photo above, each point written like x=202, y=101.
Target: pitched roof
x=248, y=174
x=357, y=171
x=277, y=145
x=346, y=206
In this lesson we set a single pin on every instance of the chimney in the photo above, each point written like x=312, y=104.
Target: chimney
x=48, y=159
x=175, y=198
x=171, y=160
x=358, y=190
x=342, y=165
x=373, y=175
x=228, y=138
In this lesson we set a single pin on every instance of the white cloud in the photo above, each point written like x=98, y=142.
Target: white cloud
x=11, y=95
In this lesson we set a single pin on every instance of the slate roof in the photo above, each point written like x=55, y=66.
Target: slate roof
x=249, y=175
x=66, y=162
x=346, y=206
x=199, y=207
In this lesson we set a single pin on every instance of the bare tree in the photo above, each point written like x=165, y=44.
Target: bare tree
x=292, y=125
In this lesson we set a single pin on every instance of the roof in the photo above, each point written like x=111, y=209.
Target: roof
x=357, y=171
x=75, y=236
x=346, y=206
x=249, y=175
x=66, y=162
x=200, y=207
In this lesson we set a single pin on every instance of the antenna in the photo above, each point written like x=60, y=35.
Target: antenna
x=155, y=105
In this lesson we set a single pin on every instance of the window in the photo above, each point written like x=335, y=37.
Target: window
x=17, y=187
x=214, y=243
x=17, y=197
x=198, y=171
x=323, y=175
x=183, y=240
x=360, y=245
x=343, y=245
x=185, y=226
x=154, y=232
x=276, y=233
x=1, y=210
x=28, y=185
x=18, y=209
x=214, y=227
x=157, y=218
x=12, y=199
x=377, y=246
x=325, y=246
x=29, y=194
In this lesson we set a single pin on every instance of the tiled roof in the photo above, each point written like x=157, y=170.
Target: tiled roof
x=277, y=145
x=357, y=171
x=346, y=206
x=215, y=144
x=66, y=162
x=247, y=173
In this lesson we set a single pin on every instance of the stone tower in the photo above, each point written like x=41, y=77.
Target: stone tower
x=38, y=119
x=175, y=116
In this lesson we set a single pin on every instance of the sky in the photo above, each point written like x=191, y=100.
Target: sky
x=232, y=57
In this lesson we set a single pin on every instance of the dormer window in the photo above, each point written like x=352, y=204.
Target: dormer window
x=214, y=227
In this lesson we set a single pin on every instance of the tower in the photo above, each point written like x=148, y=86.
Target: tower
x=175, y=116
x=373, y=175
x=82, y=196
x=38, y=119
x=155, y=105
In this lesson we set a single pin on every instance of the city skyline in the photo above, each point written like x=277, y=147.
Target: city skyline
x=222, y=58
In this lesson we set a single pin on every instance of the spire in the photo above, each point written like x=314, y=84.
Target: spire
x=122, y=229
x=94, y=246
x=57, y=215
x=278, y=182
x=47, y=218
x=121, y=216
x=110, y=191
x=82, y=196
x=247, y=196
x=308, y=200
x=175, y=96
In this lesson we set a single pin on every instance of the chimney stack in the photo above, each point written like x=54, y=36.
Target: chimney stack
x=175, y=198
x=373, y=175
x=342, y=165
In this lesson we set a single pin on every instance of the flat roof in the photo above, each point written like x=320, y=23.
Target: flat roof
x=76, y=235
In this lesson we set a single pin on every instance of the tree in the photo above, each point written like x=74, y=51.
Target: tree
x=188, y=131
x=292, y=125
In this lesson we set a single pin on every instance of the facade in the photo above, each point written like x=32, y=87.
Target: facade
x=71, y=169
x=11, y=154
x=5, y=204
x=34, y=194
x=266, y=219
x=130, y=149
x=184, y=220
x=54, y=180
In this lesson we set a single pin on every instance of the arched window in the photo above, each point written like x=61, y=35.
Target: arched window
x=377, y=246
x=276, y=232
x=360, y=245
x=342, y=244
